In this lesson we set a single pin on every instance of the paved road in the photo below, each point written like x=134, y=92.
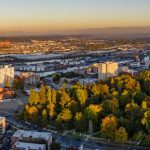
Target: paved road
x=66, y=140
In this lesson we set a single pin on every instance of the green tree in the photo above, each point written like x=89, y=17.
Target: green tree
x=44, y=118
x=121, y=135
x=56, y=78
x=110, y=106
x=146, y=120
x=7, y=82
x=55, y=146
x=80, y=122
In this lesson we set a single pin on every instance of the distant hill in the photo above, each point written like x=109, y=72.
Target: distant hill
x=117, y=32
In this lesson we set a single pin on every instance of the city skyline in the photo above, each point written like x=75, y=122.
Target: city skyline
x=55, y=16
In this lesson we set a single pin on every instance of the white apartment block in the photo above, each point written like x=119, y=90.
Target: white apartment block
x=107, y=70
x=2, y=125
x=27, y=136
x=6, y=72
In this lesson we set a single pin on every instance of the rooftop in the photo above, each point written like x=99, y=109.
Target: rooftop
x=33, y=134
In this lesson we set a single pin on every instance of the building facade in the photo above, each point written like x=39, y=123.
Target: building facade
x=6, y=75
x=107, y=70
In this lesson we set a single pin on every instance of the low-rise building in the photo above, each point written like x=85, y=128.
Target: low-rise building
x=28, y=146
x=30, y=136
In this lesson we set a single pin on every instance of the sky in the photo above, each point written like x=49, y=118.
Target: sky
x=39, y=16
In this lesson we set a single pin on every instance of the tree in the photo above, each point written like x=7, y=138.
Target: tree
x=64, y=99
x=124, y=98
x=109, y=126
x=80, y=122
x=110, y=106
x=7, y=82
x=81, y=96
x=65, y=116
x=145, y=81
x=146, y=120
x=34, y=97
x=44, y=118
x=121, y=135
x=92, y=113
x=49, y=95
x=42, y=94
x=51, y=109
x=56, y=78
x=31, y=114
x=55, y=146
x=73, y=106
x=54, y=96
x=95, y=90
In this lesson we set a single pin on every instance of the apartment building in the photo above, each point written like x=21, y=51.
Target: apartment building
x=2, y=125
x=30, y=78
x=6, y=74
x=107, y=70
x=31, y=136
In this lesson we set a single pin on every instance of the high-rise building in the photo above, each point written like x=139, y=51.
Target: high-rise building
x=107, y=70
x=6, y=75
x=2, y=125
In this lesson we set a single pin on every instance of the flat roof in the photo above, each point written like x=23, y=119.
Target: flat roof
x=34, y=134
x=31, y=145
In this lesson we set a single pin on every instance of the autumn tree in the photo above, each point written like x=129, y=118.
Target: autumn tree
x=65, y=116
x=34, y=97
x=49, y=95
x=109, y=126
x=80, y=122
x=42, y=94
x=92, y=112
x=81, y=96
x=64, y=99
x=51, y=110
x=31, y=114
